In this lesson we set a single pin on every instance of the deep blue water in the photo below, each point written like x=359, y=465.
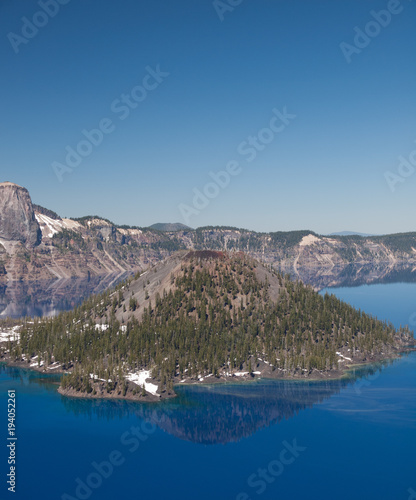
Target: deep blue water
x=395, y=302
x=349, y=439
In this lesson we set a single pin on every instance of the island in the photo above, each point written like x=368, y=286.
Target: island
x=201, y=316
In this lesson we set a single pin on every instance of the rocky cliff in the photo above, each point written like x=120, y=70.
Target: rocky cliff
x=92, y=246
x=17, y=217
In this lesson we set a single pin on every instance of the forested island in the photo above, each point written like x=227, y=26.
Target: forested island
x=202, y=316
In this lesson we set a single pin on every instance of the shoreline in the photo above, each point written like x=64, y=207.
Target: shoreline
x=320, y=377
x=139, y=398
x=100, y=393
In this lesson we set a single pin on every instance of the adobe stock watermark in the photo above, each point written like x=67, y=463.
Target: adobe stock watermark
x=121, y=109
x=130, y=442
x=405, y=169
x=30, y=27
x=247, y=149
x=412, y=494
x=363, y=36
x=263, y=477
x=223, y=6
x=365, y=382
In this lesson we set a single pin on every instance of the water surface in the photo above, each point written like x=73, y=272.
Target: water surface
x=352, y=438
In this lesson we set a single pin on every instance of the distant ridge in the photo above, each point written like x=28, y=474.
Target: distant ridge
x=37, y=244
x=45, y=211
x=167, y=226
x=350, y=233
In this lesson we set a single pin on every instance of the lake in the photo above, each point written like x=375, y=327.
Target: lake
x=49, y=297
x=351, y=438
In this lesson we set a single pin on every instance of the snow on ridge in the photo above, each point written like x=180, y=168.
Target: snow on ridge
x=50, y=227
x=97, y=221
x=132, y=232
x=71, y=224
x=308, y=240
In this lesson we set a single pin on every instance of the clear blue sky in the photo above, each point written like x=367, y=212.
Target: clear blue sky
x=324, y=171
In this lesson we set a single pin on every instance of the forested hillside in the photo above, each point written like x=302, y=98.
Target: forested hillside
x=204, y=315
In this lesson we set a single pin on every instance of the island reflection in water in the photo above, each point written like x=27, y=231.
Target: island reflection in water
x=353, y=275
x=210, y=414
x=47, y=298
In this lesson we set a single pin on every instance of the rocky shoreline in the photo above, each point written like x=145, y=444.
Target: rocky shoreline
x=135, y=393
x=102, y=394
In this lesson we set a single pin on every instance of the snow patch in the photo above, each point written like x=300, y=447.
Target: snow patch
x=310, y=239
x=342, y=356
x=36, y=363
x=52, y=367
x=9, y=335
x=94, y=377
x=102, y=327
x=48, y=226
x=140, y=378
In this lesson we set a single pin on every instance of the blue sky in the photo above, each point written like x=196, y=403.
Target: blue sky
x=225, y=70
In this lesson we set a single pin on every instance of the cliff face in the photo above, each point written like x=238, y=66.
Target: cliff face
x=91, y=246
x=17, y=217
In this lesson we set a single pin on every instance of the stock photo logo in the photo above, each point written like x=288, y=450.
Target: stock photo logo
x=30, y=27
x=263, y=477
x=247, y=150
x=363, y=36
x=102, y=470
x=405, y=169
x=121, y=109
x=223, y=6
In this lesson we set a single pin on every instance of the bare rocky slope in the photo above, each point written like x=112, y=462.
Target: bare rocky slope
x=37, y=244
x=17, y=218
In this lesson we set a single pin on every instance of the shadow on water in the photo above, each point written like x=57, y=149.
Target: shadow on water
x=210, y=414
